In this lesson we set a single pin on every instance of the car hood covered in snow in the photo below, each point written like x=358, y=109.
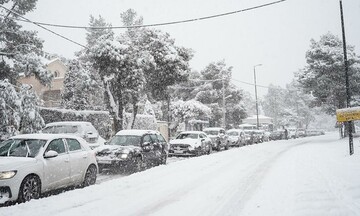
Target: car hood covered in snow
x=13, y=163
x=116, y=149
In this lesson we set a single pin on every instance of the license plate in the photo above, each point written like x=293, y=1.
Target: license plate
x=104, y=161
x=178, y=151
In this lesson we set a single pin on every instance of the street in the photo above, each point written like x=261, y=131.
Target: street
x=308, y=176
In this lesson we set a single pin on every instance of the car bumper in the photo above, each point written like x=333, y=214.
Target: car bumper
x=9, y=190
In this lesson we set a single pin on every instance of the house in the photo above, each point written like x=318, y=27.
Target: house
x=51, y=96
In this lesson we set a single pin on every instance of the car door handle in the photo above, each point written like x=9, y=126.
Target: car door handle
x=67, y=160
x=85, y=155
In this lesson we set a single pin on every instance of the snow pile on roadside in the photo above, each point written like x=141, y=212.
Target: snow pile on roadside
x=311, y=176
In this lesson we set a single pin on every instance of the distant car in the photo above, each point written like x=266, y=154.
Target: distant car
x=293, y=133
x=190, y=143
x=277, y=135
x=301, y=132
x=133, y=150
x=82, y=129
x=31, y=164
x=218, y=137
x=236, y=137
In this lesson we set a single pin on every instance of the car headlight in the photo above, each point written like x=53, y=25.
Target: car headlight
x=123, y=156
x=7, y=174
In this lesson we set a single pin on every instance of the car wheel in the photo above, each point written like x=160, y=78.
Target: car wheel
x=90, y=176
x=163, y=159
x=30, y=188
x=227, y=146
x=210, y=150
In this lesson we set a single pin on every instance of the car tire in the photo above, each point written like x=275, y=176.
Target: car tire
x=227, y=146
x=163, y=159
x=90, y=176
x=30, y=188
x=210, y=150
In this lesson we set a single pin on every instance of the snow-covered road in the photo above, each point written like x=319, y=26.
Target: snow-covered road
x=310, y=176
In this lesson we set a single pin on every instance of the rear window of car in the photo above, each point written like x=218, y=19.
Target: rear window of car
x=57, y=129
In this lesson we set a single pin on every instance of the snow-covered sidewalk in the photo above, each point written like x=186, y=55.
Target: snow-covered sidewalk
x=310, y=176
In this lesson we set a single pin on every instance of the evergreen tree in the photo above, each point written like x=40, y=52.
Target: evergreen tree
x=20, y=50
x=324, y=74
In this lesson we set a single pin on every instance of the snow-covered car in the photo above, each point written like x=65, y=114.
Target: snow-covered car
x=133, y=150
x=236, y=137
x=190, y=143
x=80, y=128
x=293, y=133
x=31, y=164
x=277, y=135
x=218, y=137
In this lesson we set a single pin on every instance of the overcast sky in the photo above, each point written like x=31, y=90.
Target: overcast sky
x=276, y=36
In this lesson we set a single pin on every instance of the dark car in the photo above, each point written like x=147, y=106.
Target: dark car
x=277, y=135
x=133, y=150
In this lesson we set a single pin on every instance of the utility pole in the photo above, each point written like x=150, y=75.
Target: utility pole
x=223, y=100
x=348, y=95
x=256, y=100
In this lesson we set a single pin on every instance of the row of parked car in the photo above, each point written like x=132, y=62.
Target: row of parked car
x=68, y=154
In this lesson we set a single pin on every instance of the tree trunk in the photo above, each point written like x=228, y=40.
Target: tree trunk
x=135, y=110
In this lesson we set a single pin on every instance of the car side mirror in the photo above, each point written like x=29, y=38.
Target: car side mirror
x=50, y=154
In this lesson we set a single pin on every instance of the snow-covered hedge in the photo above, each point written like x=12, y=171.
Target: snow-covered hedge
x=100, y=119
x=142, y=121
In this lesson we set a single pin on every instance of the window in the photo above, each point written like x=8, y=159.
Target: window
x=73, y=144
x=160, y=138
x=147, y=138
x=56, y=145
x=56, y=74
x=154, y=138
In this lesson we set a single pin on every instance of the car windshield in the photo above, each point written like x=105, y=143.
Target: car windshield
x=125, y=140
x=21, y=147
x=57, y=129
x=212, y=132
x=187, y=136
x=233, y=133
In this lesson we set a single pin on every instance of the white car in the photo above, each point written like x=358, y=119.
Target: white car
x=190, y=143
x=31, y=164
x=82, y=129
x=236, y=137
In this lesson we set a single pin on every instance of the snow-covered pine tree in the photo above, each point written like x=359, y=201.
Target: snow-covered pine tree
x=10, y=109
x=79, y=91
x=31, y=120
x=20, y=50
x=324, y=74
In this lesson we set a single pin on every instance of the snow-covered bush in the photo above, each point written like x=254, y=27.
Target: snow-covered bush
x=147, y=122
x=100, y=119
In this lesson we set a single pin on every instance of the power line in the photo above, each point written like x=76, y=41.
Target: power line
x=154, y=24
x=39, y=25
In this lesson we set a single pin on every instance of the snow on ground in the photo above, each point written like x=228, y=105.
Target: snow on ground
x=309, y=176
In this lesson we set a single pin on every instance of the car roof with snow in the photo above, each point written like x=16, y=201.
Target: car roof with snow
x=191, y=132
x=44, y=136
x=136, y=132
x=213, y=129
x=234, y=129
x=68, y=123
